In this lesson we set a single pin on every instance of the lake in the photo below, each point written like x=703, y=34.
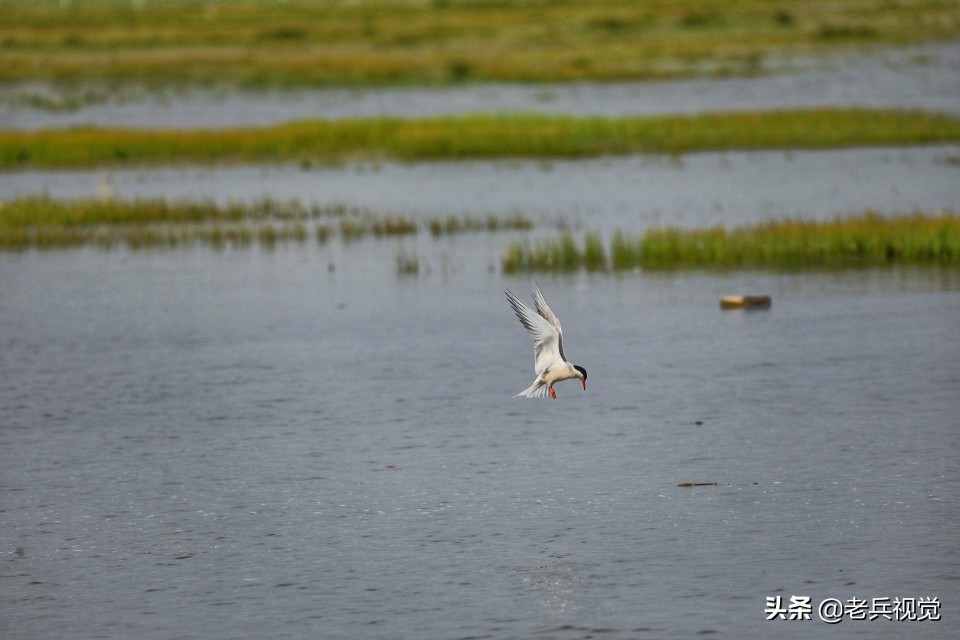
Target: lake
x=242, y=443
x=304, y=442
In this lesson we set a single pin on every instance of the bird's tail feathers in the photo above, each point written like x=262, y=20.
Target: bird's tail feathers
x=537, y=390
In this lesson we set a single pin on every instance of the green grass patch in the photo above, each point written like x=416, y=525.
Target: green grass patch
x=475, y=136
x=40, y=222
x=451, y=225
x=265, y=43
x=861, y=241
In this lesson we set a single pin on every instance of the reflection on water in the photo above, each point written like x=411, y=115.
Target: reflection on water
x=229, y=444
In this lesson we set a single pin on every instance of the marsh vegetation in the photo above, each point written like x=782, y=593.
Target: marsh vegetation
x=299, y=43
x=114, y=47
x=40, y=222
x=868, y=239
x=475, y=136
x=292, y=382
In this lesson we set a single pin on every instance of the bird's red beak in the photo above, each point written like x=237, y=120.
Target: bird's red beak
x=584, y=384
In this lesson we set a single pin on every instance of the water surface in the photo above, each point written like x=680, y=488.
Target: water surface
x=925, y=76
x=301, y=443
x=630, y=193
x=239, y=444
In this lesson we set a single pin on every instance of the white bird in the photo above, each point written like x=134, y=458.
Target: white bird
x=549, y=362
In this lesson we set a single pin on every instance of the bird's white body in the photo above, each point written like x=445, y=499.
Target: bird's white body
x=549, y=361
x=545, y=380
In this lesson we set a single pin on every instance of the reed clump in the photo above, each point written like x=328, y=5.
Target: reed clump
x=594, y=253
x=624, y=251
x=558, y=254
x=451, y=225
x=864, y=240
x=476, y=136
x=355, y=227
x=43, y=222
x=407, y=261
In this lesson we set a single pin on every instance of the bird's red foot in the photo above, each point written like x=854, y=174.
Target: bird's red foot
x=553, y=394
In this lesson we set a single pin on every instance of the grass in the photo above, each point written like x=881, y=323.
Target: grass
x=864, y=240
x=453, y=225
x=475, y=136
x=40, y=222
x=43, y=211
x=265, y=43
x=560, y=254
x=868, y=239
x=354, y=227
x=408, y=262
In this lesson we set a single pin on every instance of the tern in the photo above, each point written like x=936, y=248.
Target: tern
x=550, y=363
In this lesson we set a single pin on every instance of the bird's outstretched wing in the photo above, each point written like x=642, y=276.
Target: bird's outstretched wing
x=548, y=315
x=546, y=333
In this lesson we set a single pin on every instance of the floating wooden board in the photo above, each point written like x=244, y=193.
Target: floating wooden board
x=745, y=302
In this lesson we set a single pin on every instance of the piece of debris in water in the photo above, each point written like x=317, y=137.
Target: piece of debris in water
x=745, y=302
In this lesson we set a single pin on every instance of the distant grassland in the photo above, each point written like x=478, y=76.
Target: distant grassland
x=268, y=43
x=866, y=240
x=475, y=136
